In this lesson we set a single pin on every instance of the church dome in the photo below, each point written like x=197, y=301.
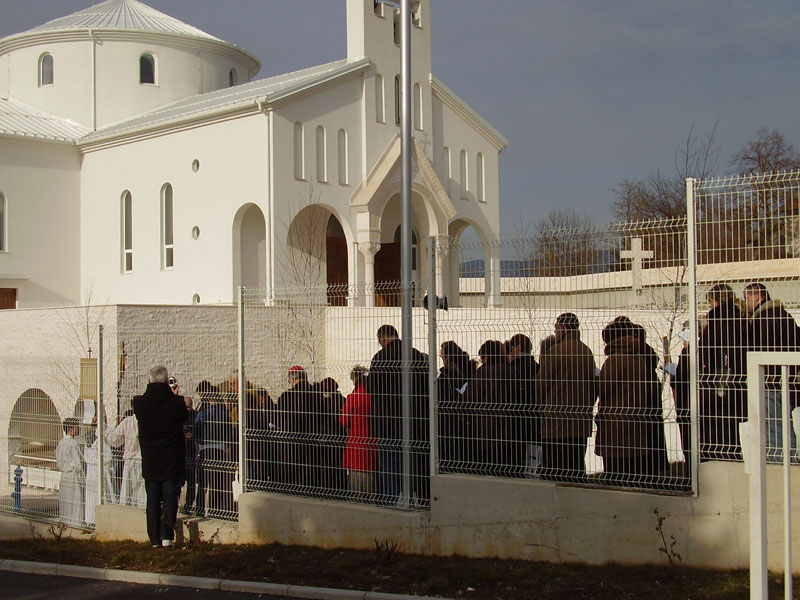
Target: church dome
x=122, y=14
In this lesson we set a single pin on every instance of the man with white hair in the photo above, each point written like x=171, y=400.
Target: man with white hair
x=161, y=414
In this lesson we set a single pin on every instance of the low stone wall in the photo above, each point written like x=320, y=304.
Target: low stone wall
x=487, y=517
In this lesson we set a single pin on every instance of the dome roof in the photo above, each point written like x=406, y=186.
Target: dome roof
x=122, y=14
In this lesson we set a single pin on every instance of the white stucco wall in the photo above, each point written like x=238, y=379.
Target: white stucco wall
x=232, y=157
x=41, y=185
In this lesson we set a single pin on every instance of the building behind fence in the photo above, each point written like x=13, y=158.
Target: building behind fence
x=613, y=401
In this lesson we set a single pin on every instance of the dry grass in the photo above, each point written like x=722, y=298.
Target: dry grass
x=449, y=577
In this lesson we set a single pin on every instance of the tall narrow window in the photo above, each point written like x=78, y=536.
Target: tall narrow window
x=127, y=232
x=46, y=69
x=147, y=68
x=464, y=175
x=448, y=169
x=232, y=78
x=398, y=110
x=3, y=222
x=168, y=244
x=417, y=106
x=299, y=154
x=322, y=159
x=479, y=172
x=343, y=175
x=380, y=112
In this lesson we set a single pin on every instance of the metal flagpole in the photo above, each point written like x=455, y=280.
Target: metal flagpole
x=405, y=247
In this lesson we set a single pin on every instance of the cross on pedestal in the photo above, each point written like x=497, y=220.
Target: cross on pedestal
x=636, y=254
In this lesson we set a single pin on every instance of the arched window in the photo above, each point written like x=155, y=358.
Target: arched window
x=167, y=238
x=448, y=169
x=232, y=81
x=46, y=69
x=299, y=154
x=3, y=223
x=147, y=68
x=417, y=106
x=398, y=110
x=343, y=167
x=322, y=159
x=127, y=232
x=464, y=175
x=479, y=172
x=380, y=110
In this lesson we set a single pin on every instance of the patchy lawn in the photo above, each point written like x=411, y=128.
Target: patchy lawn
x=383, y=570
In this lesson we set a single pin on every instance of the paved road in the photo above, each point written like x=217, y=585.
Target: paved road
x=22, y=586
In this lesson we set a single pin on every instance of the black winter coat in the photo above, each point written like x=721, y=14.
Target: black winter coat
x=161, y=415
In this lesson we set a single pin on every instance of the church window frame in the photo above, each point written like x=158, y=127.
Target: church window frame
x=299, y=152
x=322, y=155
x=46, y=70
x=148, y=69
x=418, y=124
x=480, y=172
x=126, y=231
x=380, y=104
x=464, y=175
x=3, y=223
x=343, y=148
x=448, y=169
x=167, y=227
x=233, y=78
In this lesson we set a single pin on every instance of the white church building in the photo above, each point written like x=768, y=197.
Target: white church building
x=141, y=162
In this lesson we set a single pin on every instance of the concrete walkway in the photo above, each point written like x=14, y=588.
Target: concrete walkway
x=205, y=583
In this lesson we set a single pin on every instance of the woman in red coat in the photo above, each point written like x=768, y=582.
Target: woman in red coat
x=361, y=450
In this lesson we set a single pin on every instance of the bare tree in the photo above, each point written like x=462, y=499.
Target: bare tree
x=565, y=244
x=660, y=196
x=769, y=153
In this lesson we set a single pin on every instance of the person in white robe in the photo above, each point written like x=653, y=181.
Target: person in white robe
x=69, y=460
x=126, y=434
x=92, y=459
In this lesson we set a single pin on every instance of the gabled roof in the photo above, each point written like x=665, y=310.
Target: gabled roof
x=265, y=91
x=20, y=120
x=466, y=112
x=122, y=14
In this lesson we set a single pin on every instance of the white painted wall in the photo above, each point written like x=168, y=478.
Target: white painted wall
x=41, y=185
x=233, y=172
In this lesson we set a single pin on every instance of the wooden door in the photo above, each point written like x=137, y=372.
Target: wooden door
x=337, y=271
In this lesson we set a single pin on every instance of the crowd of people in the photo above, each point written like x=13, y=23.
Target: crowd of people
x=506, y=414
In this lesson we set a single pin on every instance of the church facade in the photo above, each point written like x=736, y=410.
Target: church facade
x=141, y=162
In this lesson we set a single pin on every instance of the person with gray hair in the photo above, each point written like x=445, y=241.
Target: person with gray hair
x=161, y=414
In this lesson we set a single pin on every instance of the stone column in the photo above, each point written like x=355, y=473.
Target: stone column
x=492, y=274
x=369, y=250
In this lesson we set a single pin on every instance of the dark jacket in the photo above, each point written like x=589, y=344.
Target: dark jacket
x=773, y=329
x=626, y=389
x=722, y=346
x=489, y=400
x=566, y=387
x=524, y=369
x=384, y=385
x=161, y=415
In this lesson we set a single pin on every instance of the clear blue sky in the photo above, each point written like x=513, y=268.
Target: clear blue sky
x=587, y=92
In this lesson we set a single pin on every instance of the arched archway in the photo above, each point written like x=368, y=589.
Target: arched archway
x=250, y=248
x=316, y=255
x=472, y=256
x=336, y=263
x=34, y=430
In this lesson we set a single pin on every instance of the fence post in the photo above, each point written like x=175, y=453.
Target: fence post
x=786, y=419
x=756, y=392
x=101, y=416
x=433, y=393
x=241, y=473
x=691, y=260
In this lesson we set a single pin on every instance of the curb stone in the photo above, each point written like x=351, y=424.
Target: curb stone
x=228, y=585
